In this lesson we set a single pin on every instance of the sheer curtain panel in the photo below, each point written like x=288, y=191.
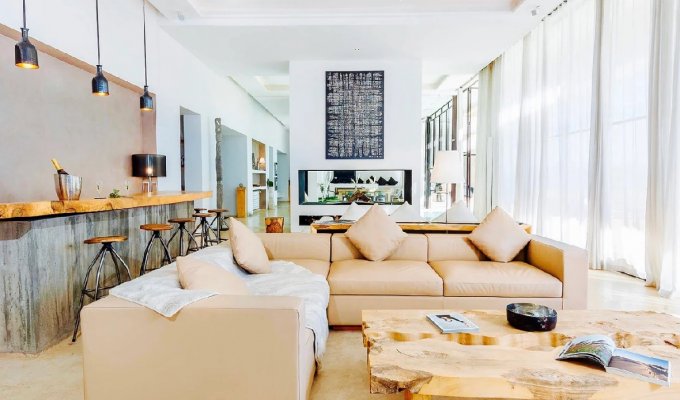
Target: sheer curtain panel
x=663, y=182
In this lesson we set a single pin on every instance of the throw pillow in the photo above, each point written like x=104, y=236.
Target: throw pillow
x=406, y=213
x=376, y=235
x=197, y=274
x=499, y=237
x=354, y=212
x=457, y=214
x=248, y=249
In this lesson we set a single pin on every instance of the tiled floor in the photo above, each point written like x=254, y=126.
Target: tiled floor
x=256, y=221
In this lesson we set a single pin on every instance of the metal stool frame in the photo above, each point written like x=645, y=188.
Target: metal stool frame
x=94, y=294
x=155, y=236
x=182, y=229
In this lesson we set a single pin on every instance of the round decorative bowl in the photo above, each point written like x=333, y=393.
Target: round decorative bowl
x=531, y=317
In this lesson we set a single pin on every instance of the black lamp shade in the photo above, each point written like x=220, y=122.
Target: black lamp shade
x=148, y=165
x=100, y=85
x=25, y=54
x=146, y=101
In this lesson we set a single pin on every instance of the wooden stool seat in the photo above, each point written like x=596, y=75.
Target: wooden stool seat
x=105, y=239
x=198, y=209
x=180, y=220
x=203, y=215
x=156, y=227
x=218, y=210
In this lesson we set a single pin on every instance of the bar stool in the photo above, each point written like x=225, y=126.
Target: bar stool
x=205, y=228
x=198, y=210
x=221, y=223
x=156, y=230
x=182, y=229
x=94, y=294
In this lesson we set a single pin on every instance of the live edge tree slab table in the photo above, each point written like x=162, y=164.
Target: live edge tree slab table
x=407, y=353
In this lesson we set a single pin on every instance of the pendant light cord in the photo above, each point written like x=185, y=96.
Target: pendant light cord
x=24, y=14
x=99, y=56
x=144, y=15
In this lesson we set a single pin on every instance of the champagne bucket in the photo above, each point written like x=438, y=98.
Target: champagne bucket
x=67, y=186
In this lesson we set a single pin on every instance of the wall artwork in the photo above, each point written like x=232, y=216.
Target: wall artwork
x=355, y=115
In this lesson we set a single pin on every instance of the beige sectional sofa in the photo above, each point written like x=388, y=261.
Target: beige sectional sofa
x=436, y=271
x=257, y=347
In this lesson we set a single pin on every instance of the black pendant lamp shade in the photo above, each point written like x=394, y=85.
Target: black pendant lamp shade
x=25, y=54
x=145, y=101
x=100, y=86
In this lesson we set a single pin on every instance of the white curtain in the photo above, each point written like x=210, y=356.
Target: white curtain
x=618, y=160
x=550, y=150
x=663, y=183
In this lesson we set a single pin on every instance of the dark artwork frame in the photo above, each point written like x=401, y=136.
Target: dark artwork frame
x=355, y=115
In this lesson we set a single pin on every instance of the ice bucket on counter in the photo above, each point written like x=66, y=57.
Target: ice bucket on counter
x=67, y=186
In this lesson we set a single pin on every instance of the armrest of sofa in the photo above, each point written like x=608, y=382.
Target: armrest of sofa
x=245, y=347
x=567, y=263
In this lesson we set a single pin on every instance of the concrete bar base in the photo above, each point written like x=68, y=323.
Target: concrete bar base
x=43, y=263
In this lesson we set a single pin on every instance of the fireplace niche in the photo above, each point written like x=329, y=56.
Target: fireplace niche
x=337, y=187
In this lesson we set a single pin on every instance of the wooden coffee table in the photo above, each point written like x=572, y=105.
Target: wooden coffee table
x=407, y=353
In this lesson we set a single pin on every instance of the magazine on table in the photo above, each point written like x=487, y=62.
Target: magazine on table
x=602, y=350
x=452, y=323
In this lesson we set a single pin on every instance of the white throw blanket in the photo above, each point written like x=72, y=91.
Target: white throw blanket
x=160, y=291
x=288, y=279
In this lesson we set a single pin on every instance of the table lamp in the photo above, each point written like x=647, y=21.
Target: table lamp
x=148, y=166
x=447, y=169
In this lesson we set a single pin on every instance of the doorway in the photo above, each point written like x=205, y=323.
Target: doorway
x=191, y=165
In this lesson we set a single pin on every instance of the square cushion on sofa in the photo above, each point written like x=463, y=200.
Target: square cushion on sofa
x=375, y=234
x=499, y=236
x=197, y=274
x=391, y=277
x=248, y=249
x=494, y=279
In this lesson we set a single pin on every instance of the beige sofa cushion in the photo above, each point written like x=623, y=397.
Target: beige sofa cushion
x=413, y=247
x=316, y=266
x=375, y=234
x=499, y=236
x=288, y=246
x=391, y=277
x=248, y=249
x=197, y=274
x=494, y=279
x=452, y=247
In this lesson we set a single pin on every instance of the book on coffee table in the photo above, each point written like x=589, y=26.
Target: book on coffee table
x=452, y=323
x=602, y=350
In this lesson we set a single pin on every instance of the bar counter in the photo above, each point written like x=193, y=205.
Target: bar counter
x=47, y=208
x=43, y=258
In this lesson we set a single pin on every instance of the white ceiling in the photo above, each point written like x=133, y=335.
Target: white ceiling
x=253, y=41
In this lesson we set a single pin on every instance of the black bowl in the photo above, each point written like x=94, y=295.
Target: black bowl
x=531, y=317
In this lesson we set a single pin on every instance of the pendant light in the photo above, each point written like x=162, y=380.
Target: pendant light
x=145, y=101
x=100, y=86
x=25, y=54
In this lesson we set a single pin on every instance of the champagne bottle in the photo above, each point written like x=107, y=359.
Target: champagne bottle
x=58, y=167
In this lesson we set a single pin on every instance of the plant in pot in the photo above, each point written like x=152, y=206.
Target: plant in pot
x=271, y=193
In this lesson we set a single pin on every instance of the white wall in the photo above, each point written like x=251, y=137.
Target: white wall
x=235, y=165
x=284, y=176
x=403, y=144
x=176, y=76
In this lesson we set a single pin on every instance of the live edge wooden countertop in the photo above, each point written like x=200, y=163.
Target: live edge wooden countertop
x=54, y=208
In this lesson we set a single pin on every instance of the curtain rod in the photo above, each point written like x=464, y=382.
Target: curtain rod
x=555, y=9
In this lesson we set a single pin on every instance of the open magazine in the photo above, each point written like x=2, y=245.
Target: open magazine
x=452, y=323
x=602, y=350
